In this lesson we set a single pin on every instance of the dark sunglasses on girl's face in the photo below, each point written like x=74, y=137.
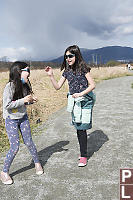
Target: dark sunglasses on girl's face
x=26, y=69
x=69, y=56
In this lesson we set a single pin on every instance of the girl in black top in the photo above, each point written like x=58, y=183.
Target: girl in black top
x=80, y=84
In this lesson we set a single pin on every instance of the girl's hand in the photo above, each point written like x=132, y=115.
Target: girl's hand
x=49, y=71
x=35, y=99
x=28, y=99
x=76, y=95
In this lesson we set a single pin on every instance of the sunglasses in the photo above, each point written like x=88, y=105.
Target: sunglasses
x=69, y=56
x=26, y=70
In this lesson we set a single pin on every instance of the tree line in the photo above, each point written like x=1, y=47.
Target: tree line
x=4, y=66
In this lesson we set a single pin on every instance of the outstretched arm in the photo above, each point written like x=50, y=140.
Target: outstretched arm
x=57, y=85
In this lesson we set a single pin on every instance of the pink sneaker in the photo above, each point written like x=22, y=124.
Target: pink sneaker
x=82, y=162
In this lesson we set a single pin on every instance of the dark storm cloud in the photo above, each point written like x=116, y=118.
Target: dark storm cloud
x=45, y=28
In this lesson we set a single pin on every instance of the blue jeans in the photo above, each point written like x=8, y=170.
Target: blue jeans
x=12, y=128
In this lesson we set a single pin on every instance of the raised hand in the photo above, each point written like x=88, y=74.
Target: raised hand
x=49, y=71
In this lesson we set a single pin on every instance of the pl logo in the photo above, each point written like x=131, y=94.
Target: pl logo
x=126, y=184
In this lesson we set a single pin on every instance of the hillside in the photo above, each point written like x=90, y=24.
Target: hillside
x=104, y=54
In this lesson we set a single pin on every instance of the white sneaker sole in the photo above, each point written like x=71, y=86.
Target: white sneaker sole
x=81, y=165
x=39, y=172
x=7, y=182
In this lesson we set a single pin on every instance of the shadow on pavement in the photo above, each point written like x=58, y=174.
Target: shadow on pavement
x=95, y=141
x=44, y=155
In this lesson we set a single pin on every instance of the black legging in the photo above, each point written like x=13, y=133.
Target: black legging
x=82, y=138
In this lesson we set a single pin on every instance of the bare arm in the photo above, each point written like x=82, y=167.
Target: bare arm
x=57, y=85
x=87, y=90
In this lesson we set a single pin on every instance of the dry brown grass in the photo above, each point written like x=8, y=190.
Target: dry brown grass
x=49, y=100
x=105, y=73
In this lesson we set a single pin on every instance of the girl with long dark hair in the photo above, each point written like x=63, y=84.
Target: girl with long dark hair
x=17, y=94
x=80, y=97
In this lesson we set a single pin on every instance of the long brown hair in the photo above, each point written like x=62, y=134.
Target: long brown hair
x=79, y=65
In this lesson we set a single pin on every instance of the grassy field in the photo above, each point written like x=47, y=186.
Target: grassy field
x=50, y=100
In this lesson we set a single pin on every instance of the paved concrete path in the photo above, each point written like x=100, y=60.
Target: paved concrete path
x=110, y=147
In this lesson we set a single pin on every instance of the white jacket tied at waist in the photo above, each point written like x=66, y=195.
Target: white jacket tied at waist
x=80, y=115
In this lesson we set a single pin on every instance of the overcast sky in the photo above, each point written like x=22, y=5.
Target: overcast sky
x=43, y=29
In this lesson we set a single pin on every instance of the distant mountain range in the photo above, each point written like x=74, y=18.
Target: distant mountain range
x=103, y=55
